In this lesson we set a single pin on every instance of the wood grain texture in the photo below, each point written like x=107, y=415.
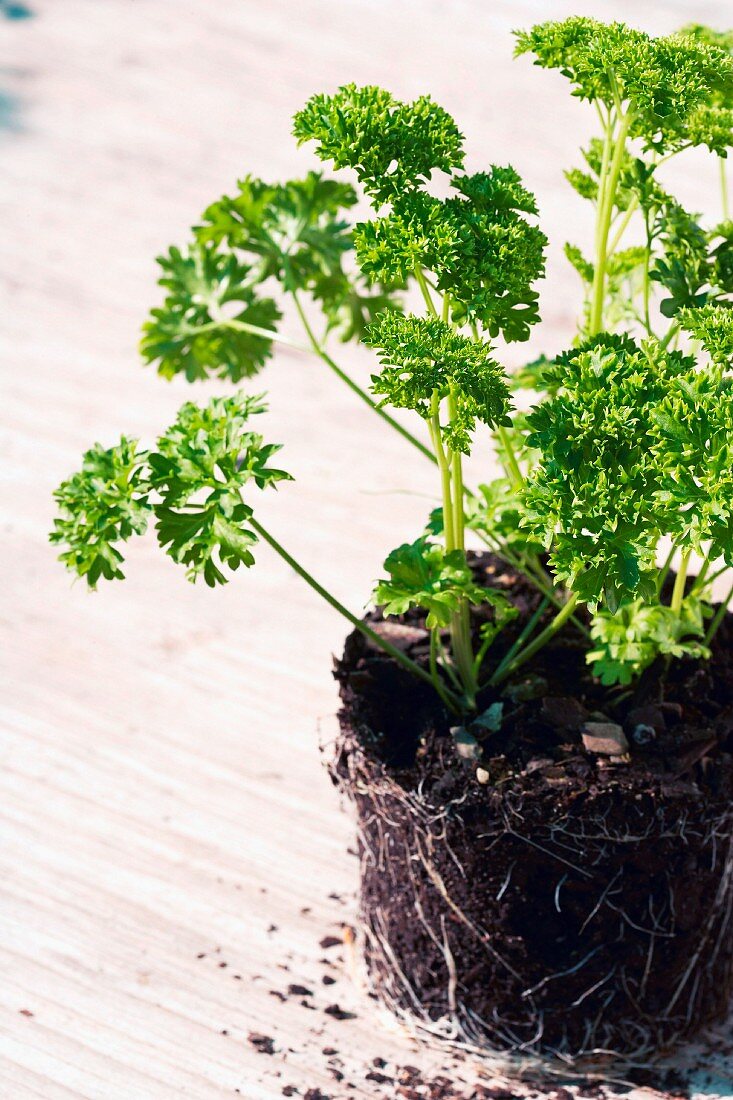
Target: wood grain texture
x=161, y=792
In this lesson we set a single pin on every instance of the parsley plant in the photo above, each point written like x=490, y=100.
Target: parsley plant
x=624, y=459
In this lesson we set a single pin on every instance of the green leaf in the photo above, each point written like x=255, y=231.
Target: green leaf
x=423, y=574
x=295, y=232
x=637, y=444
x=479, y=247
x=102, y=505
x=196, y=332
x=392, y=146
x=191, y=484
x=712, y=325
x=663, y=82
x=491, y=718
x=422, y=357
x=629, y=639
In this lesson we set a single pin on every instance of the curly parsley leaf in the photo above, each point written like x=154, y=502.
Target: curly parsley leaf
x=191, y=485
x=103, y=504
x=712, y=325
x=663, y=83
x=636, y=444
x=295, y=232
x=196, y=332
x=424, y=359
x=479, y=246
x=392, y=146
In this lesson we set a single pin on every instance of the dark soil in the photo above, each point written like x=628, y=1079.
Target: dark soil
x=573, y=902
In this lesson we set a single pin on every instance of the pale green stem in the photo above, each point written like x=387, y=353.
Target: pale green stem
x=453, y=530
x=672, y=331
x=520, y=640
x=514, y=472
x=700, y=580
x=435, y=671
x=623, y=225
x=539, y=642
x=718, y=618
x=713, y=578
x=326, y=358
x=425, y=291
x=678, y=591
x=606, y=197
x=665, y=568
x=445, y=472
x=244, y=326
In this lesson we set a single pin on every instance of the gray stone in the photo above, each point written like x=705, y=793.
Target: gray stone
x=605, y=738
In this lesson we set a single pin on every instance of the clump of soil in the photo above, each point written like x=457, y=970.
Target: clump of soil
x=572, y=901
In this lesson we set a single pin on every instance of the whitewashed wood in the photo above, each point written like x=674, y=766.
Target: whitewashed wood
x=161, y=793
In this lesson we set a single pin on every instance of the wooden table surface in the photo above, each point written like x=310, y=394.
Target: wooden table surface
x=171, y=850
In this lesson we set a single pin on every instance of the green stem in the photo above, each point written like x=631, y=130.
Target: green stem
x=541, y=640
x=520, y=639
x=435, y=672
x=606, y=197
x=665, y=568
x=323, y=355
x=718, y=618
x=445, y=472
x=678, y=591
x=244, y=326
x=456, y=467
x=646, y=282
x=451, y=480
x=623, y=225
x=670, y=334
x=529, y=568
x=425, y=290
x=703, y=571
x=712, y=579
x=514, y=472
x=355, y=621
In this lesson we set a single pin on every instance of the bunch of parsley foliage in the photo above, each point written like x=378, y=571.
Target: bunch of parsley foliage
x=623, y=462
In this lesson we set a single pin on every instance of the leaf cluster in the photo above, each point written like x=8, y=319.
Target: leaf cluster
x=104, y=503
x=196, y=332
x=712, y=325
x=425, y=575
x=630, y=640
x=392, y=146
x=424, y=361
x=478, y=246
x=669, y=84
x=190, y=485
x=636, y=444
